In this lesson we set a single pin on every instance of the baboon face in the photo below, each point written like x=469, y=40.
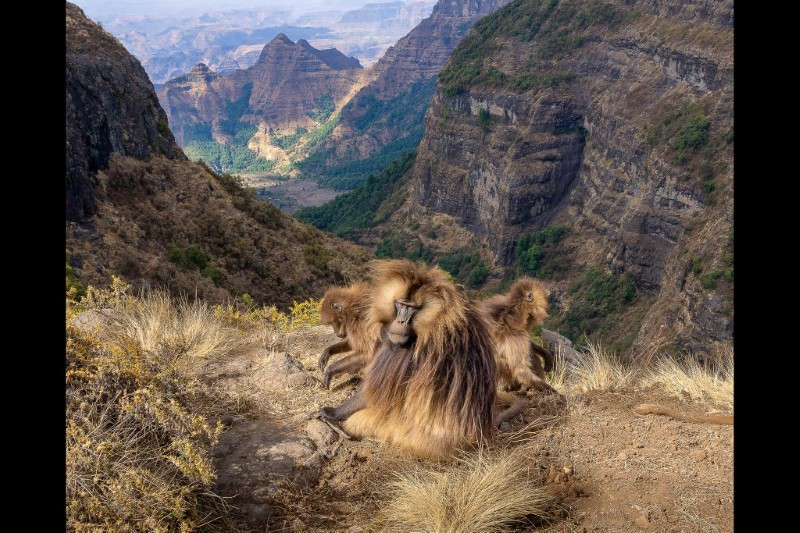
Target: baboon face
x=330, y=314
x=531, y=299
x=401, y=331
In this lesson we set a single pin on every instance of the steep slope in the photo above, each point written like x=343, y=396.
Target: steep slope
x=591, y=144
x=245, y=121
x=385, y=118
x=137, y=208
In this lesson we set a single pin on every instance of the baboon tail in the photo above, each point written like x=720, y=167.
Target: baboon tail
x=652, y=409
x=547, y=355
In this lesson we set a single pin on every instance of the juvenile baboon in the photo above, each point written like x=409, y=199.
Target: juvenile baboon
x=431, y=386
x=650, y=409
x=345, y=311
x=513, y=315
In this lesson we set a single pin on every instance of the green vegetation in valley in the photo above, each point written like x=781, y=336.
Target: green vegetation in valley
x=358, y=208
x=236, y=157
x=598, y=301
x=556, y=28
x=404, y=114
x=536, y=254
x=324, y=109
x=288, y=142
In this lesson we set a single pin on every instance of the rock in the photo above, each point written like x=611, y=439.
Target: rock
x=281, y=373
x=255, y=458
x=93, y=319
x=568, y=470
x=98, y=121
x=321, y=433
x=622, y=456
x=558, y=343
x=697, y=454
x=643, y=521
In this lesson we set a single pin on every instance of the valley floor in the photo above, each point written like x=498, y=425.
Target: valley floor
x=290, y=194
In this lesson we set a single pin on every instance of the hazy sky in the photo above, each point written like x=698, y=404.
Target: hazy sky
x=103, y=10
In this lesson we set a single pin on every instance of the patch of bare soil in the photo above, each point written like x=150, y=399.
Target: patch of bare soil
x=292, y=194
x=610, y=468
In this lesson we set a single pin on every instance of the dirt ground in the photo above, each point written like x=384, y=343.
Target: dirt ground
x=609, y=468
x=290, y=194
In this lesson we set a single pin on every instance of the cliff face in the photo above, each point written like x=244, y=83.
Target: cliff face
x=111, y=108
x=391, y=107
x=262, y=118
x=613, y=119
x=140, y=210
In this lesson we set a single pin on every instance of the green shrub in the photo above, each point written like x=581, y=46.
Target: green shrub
x=697, y=266
x=196, y=256
x=214, y=274
x=163, y=127
x=535, y=254
x=484, y=118
x=598, y=301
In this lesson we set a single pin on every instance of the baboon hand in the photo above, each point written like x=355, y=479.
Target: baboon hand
x=326, y=379
x=323, y=359
x=329, y=414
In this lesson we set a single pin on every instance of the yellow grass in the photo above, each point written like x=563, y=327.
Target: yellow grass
x=157, y=321
x=483, y=492
x=597, y=369
x=691, y=380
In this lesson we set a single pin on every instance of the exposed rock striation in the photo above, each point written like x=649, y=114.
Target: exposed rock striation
x=611, y=118
x=110, y=108
x=280, y=92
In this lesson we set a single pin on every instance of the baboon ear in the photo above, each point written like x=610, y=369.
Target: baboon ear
x=337, y=306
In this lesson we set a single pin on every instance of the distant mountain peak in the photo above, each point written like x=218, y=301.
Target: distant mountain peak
x=281, y=38
x=331, y=57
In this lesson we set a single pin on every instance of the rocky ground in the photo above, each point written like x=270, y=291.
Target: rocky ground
x=610, y=469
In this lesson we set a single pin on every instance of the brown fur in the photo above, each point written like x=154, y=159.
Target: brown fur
x=345, y=311
x=438, y=391
x=513, y=315
x=650, y=409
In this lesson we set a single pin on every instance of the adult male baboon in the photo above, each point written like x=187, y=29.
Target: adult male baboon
x=513, y=315
x=431, y=386
x=345, y=311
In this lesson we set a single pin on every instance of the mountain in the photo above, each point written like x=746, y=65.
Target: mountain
x=385, y=118
x=246, y=121
x=137, y=208
x=589, y=144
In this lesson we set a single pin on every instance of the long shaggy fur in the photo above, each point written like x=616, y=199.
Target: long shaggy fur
x=437, y=393
x=513, y=315
x=351, y=320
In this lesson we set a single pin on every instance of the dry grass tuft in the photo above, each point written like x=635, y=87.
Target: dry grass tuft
x=158, y=322
x=597, y=369
x=482, y=492
x=701, y=383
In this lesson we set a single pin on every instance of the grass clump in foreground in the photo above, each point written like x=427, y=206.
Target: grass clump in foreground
x=481, y=492
x=711, y=383
x=137, y=452
x=139, y=425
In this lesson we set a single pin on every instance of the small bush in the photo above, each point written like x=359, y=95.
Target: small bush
x=484, y=118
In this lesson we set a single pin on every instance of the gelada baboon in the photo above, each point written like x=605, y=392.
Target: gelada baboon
x=513, y=316
x=345, y=311
x=431, y=386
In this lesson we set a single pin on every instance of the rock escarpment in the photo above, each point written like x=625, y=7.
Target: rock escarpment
x=111, y=108
x=385, y=117
x=614, y=119
x=138, y=209
x=281, y=92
